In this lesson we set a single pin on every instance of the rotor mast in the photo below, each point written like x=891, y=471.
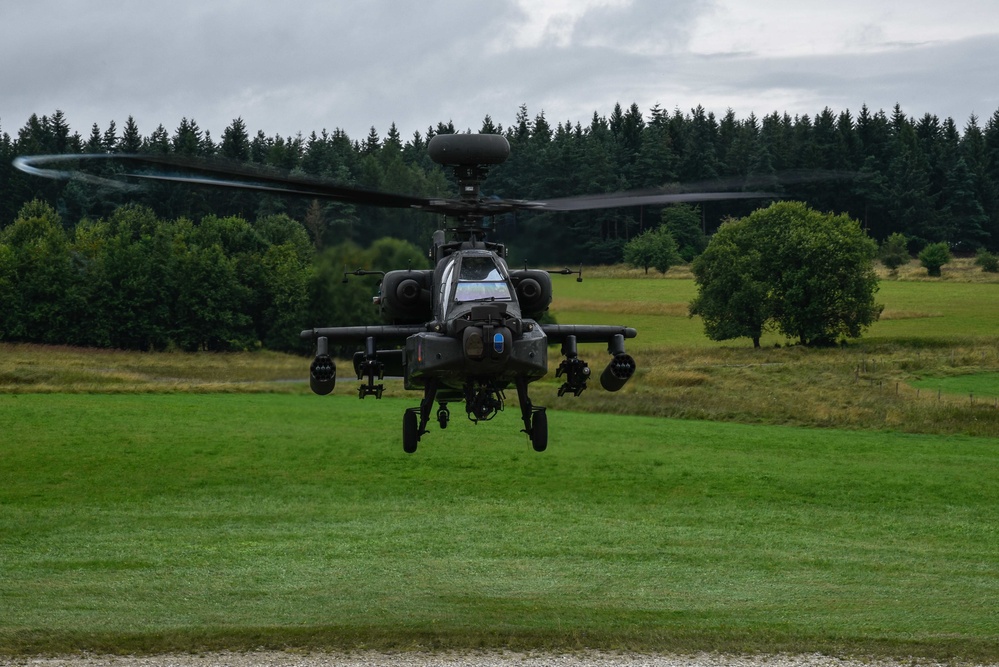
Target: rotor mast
x=469, y=156
x=469, y=224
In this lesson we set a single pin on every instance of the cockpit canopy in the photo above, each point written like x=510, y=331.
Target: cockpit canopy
x=480, y=279
x=472, y=277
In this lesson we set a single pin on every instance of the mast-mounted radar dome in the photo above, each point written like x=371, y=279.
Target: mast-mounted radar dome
x=469, y=149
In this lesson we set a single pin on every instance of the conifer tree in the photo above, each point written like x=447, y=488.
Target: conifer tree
x=187, y=139
x=235, y=143
x=131, y=140
x=95, y=144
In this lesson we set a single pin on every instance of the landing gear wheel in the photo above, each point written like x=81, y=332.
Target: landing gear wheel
x=443, y=416
x=539, y=431
x=410, y=432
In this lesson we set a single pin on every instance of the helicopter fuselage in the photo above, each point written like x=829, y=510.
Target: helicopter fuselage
x=464, y=331
x=478, y=332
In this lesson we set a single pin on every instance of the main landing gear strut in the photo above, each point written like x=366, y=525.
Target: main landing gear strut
x=482, y=402
x=414, y=420
x=535, y=419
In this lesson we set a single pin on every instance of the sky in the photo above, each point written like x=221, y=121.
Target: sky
x=299, y=66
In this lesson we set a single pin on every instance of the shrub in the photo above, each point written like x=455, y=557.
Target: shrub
x=933, y=257
x=894, y=252
x=989, y=261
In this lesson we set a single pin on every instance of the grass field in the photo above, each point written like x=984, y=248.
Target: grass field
x=166, y=522
x=657, y=306
x=983, y=385
x=154, y=502
x=915, y=370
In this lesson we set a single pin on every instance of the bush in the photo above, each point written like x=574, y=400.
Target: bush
x=894, y=252
x=933, y=257
x=989, y=261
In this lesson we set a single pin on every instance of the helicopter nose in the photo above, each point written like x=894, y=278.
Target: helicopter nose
x=486, y=342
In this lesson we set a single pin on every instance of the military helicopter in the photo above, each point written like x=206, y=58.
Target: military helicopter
x=464, y=331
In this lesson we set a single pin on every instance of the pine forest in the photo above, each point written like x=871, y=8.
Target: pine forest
x=203, y=268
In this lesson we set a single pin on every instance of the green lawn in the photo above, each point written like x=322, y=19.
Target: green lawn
x=983, y=385
x=166, y=522
x=195, y=521
x=658, y=309
x=930, y=309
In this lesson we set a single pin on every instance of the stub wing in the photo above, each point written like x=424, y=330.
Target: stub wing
x=576, y=372
x=394, y=333
x=586, y=333
x=369, y=364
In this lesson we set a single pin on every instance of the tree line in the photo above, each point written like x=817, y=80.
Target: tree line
x=923, y=177
x=133, y=280
x=215, y=269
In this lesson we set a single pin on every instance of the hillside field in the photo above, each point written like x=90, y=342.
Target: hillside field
x=729, y=499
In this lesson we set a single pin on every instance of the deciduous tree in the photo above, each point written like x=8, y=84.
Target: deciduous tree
x=809, y=275
x=655, y=248
x=732, y=286
x=684, y=223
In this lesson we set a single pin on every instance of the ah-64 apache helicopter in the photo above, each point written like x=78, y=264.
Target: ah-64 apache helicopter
x=464, y=331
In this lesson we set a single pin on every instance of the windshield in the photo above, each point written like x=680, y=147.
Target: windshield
x=479, y=279
x=481, y=291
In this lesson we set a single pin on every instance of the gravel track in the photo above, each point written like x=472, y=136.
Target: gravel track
x=478, y=659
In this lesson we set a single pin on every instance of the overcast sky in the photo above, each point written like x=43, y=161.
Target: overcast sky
x=305, y=65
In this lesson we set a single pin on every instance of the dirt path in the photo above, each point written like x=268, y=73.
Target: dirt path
x=484, y=659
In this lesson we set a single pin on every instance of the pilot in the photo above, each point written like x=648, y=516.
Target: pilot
x=478, y=268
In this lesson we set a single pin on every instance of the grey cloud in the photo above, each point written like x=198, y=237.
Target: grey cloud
x=311, y=65
x=651, y=25
x=952, y=79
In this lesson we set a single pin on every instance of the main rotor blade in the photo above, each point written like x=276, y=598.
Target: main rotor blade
x=35, y=165
x=217, y=174
x=624, y=199
x=716, y=189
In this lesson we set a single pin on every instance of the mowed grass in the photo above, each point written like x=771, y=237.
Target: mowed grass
x=885, y=380
x=983, y=385
x=915, y=307
x=167, y=504
x=155, y=523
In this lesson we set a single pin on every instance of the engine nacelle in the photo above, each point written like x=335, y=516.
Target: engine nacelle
x=618, y=372
x=406, y=297
x=534, y=291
